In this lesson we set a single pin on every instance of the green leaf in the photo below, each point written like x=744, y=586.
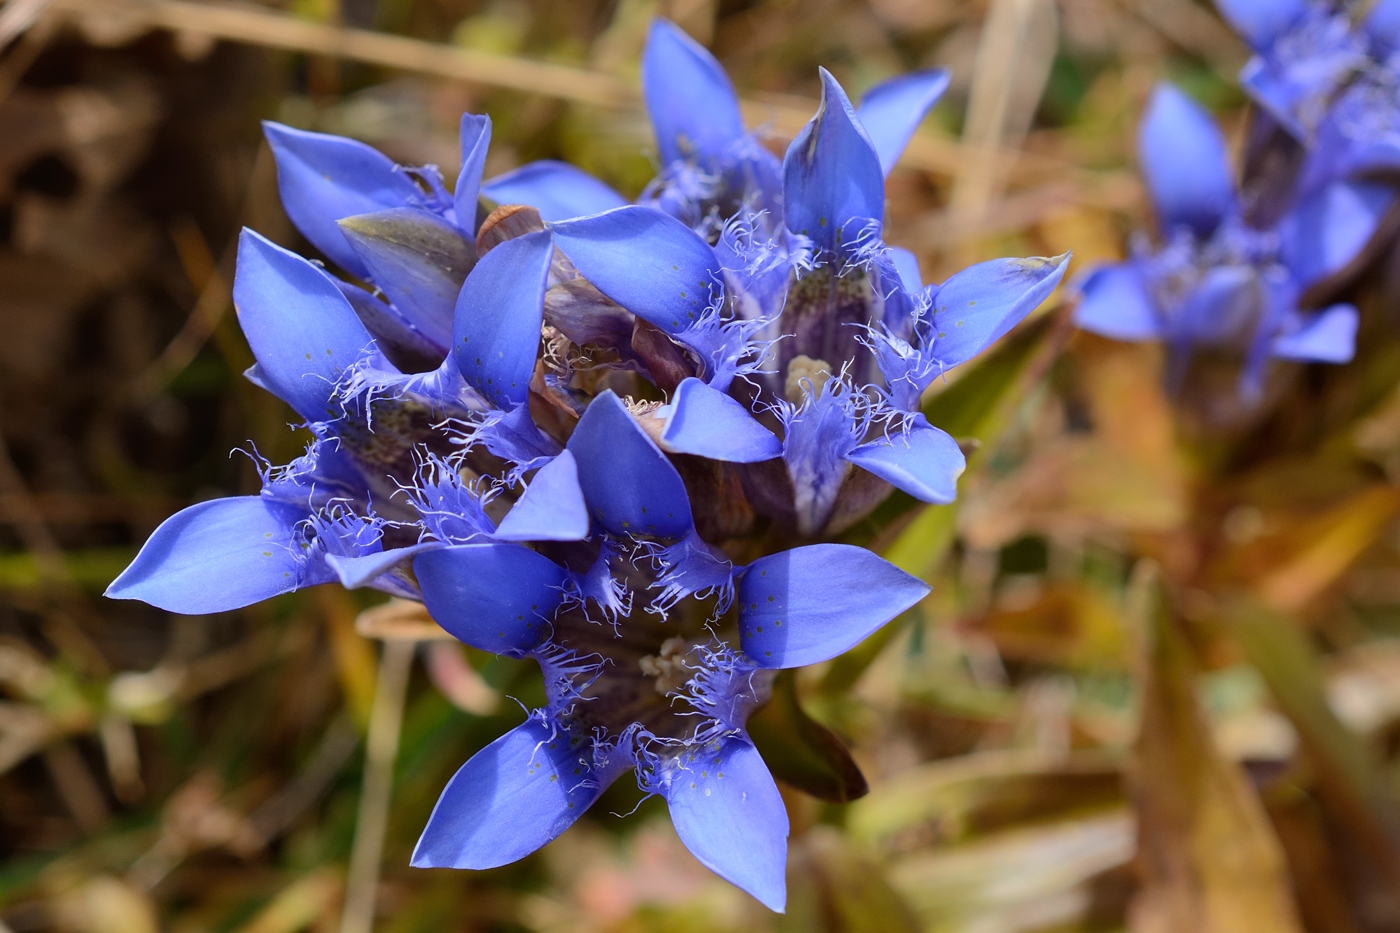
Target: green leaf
x=1209, y=857
x=802, y=751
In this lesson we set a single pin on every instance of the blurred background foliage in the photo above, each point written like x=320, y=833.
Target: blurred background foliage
x=1157, y=685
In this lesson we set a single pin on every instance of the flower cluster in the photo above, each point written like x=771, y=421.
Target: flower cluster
x=1243, y=267
x=614, y=438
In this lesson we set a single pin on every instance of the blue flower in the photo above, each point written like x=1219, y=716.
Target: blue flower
x=823, y=335
x=367, y=418
x=711, y=167
x=484, y=439
x=1329, y=74
x=1217, y=281
x=646, y=669
x=1307, y=51
x=342, y=510
x=393, y=228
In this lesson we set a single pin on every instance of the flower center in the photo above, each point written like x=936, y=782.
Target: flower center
x=825, y=316
x=667, y=666
x=803, y=371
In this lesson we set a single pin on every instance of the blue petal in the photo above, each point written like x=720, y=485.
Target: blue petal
x=395, y=334
x=708, y=423
x=552, y=508
x=511, y=798
x=978, y=305
x=727, y=810
x=1185, y=162
x=692, y=104
x=302, y=330
x=1278, y=96
x=1383, y=23
x=833, y=187
x=515, y=437
x=923, y=461
x=499, y=312
x=892, y=110
x=355, y=572
x=418, y=260
x=812, y=603
x=648, y=262
x=476, y=139
x=1116, y=304
x=1260, y=22
x=1323, y=234
x=215, y=556
x=907, y=265
x=326, y=178
x=629, y=485
x=496, y=597
x=1330, y=337
x=557, y=190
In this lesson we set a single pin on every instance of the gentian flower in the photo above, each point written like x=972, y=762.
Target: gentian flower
x=830, y=333
x=336, y=502
x=646, y=667
x=1328, y=73
x=330, y=513
x=1308, y=51
x=1217, y=281
x=711, y=167
x=544, y=422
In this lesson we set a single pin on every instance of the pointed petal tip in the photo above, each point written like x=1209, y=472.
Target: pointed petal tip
x=462, y=861
x=812, y=603
x=689, y=97
x=628, y=484
x=1185, y=162
x=274, y=130
x=660, y=25
x=508, y=800
x=831, y=89
x=833, y=181
x=732, y=819
x=708, y=423
x=552, y=507
x=215, y=556
x=117, y=589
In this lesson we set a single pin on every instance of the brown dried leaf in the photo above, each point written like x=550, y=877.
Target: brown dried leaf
x=1208, y=858
x=1037, y=878
x=972, y=795
x=1065, y=624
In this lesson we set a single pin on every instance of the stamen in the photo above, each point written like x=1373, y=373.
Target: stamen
x=667, y=666
x=803, y=372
